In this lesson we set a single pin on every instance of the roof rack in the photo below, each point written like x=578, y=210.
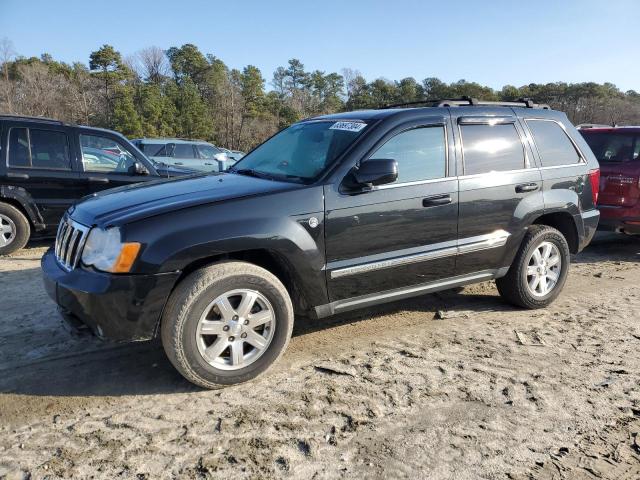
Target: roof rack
x=585, y=126
x=471, y=102
x=27, y=117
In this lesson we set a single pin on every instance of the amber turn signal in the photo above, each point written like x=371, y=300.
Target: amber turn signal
x=127, y=256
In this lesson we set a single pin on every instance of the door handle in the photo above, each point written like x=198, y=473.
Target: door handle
x=98, y=179
x=178, y=163
x=208, y=163
x=437, y=200
x=24, y=176
x=527, y=187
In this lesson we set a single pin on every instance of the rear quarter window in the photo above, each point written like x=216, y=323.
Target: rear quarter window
x=553, y=144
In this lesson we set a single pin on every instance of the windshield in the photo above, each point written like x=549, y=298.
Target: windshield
x=208, y=151
x=609, y=147
x=301, y=152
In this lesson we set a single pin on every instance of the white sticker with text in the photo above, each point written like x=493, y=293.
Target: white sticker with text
x=348, y=126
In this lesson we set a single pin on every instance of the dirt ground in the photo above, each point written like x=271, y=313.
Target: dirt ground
x=478, y=390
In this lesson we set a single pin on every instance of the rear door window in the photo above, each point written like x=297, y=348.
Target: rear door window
x=491, y=148
x=39, y=149
x=183, y=150
x=553, y=143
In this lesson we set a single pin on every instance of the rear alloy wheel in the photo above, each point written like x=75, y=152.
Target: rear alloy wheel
x=543, y=269
x=539, y=270
x=226, y=323
x=14, y=229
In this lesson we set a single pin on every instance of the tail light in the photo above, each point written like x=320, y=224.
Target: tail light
x=594, y=178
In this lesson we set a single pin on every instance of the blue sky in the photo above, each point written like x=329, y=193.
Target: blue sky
x=491, y=42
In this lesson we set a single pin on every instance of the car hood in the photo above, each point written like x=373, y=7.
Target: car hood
x=130, y=203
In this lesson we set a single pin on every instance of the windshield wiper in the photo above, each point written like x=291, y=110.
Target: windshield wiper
x=252, y=173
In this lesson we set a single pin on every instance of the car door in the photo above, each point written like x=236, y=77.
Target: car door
x=500, y=190
x=402, y=234
x=40, y=159
x=184, y=155
x=108, y=162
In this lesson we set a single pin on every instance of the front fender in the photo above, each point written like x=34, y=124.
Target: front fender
x=277, y=223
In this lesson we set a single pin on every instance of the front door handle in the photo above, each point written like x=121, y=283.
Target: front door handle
x=437, y=200
x=98, y=179
x=178, y=163
x=527, y=187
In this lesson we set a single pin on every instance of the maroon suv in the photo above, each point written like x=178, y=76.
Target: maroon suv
x=618, y=151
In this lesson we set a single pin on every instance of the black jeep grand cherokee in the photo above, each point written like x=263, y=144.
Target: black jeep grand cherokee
x=331, y=214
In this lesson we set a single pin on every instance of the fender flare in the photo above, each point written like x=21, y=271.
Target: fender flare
x=24, y=199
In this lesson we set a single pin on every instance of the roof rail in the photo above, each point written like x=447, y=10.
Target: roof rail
x=585, y=126
x=27, y=117
x=471, y=102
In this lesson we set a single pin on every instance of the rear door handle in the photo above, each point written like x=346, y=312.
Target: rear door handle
x=178, y=163
x=24, y=176
x=527, y=187
x=437, y=200
x=98, y=179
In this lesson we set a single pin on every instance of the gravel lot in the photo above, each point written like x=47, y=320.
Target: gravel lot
x=454, y=386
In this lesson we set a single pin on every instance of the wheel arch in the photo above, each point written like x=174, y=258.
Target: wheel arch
x=565, y=223
x=270, y=260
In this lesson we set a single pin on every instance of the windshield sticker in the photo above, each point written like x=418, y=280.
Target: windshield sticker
x=348, y=126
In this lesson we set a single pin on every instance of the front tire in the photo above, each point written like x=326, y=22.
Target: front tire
x=14, y=229
x=539, y=271
x=227, y=324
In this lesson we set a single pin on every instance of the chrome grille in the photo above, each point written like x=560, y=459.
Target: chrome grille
x=69, y=242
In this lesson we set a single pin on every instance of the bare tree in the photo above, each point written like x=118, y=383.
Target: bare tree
x=152, y=64
x=7, y=52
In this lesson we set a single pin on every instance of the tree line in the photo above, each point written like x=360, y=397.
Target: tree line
x=182, y=92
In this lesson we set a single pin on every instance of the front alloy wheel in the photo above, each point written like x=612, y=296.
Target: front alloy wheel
x=235, y=329
x=226, y=323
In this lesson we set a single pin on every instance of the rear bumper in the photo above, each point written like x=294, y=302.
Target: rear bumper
x=590, y=220
x=115, y=307
x=626, y=219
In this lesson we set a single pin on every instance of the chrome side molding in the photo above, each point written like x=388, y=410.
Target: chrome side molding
x=467, y=245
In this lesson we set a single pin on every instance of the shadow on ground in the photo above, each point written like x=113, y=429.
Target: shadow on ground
x=38, y=358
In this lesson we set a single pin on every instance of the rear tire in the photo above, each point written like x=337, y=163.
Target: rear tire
x=226, y=324
x=534, y=281
x=14, y=229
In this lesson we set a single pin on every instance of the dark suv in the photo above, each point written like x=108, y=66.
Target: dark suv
x=331, y=214
x=46, y=165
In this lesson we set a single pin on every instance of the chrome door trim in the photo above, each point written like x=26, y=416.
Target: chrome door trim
x=439, y=250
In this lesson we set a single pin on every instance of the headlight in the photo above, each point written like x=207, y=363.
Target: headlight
x=105, y=251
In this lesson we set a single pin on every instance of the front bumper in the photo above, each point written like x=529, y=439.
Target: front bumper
x=115, y=307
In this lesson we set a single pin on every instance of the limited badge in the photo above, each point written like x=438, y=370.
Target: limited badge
x=313, y=222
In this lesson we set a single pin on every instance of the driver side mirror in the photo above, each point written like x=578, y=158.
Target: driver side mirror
x=138, y=169
x=374, y=172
